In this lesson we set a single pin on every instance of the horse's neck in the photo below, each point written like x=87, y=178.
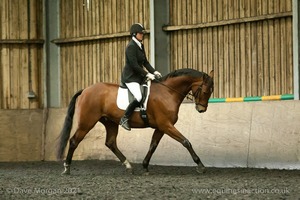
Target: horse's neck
x=181, y=84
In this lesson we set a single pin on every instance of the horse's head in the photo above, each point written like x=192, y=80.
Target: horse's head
x=202, y=91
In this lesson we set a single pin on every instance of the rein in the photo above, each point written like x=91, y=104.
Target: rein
x=169, y=87
x=187, y=96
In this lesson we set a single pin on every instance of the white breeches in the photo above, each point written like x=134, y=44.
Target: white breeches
x=135, y=89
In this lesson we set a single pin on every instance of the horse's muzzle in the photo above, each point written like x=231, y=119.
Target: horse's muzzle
x=201, y=108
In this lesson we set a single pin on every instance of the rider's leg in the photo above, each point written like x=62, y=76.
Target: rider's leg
x=134, y=88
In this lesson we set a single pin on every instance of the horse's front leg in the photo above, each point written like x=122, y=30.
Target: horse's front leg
x=157, y=135
x=175, y=134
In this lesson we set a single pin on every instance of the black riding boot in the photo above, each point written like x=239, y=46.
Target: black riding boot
x=128, y=112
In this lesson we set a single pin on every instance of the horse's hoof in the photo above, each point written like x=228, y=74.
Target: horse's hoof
x=201, y=169
x=66, y=172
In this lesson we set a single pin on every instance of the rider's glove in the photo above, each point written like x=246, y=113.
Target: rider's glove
x=150, y=76
x=157, y=75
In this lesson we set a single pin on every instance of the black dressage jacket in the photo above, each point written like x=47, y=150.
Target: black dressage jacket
x=135, y=60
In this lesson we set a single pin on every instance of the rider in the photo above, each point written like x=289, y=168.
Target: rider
x=133, y=73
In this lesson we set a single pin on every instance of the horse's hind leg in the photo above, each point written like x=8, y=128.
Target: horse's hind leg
x=74, y=141
x=157, y=135
x=111, y=141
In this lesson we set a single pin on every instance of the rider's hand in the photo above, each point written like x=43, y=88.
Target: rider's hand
x=157, y=75
x=150, y=76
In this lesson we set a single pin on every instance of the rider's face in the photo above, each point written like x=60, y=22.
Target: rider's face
x=140, y=36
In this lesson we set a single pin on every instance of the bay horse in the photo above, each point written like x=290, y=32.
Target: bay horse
x=97, y=103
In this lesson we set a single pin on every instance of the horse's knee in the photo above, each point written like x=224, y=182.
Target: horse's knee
x=110, y=144
x=186, y=143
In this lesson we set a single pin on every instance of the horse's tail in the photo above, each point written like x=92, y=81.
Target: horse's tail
x=65, y=132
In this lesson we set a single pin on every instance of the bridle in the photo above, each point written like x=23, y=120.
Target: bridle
x=199, y=89
x=195, y=95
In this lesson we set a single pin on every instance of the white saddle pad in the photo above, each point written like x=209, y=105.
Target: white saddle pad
x=123, y=97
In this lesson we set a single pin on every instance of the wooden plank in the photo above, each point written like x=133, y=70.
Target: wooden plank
x=231, y=51
x=114, y=64
x=63, y=79
x=188, y=36
x=277, y=50
x=214, y=10
x=194, y=38
x=236, y=67
x=228, y=22
x=35, y=76
x=226, y=80
x=173, y=59
x=121, y=26
x=254, y=44
x=289, y=5
x=248, y=58
x=22, y=41
x=265, y=51
x=117, y=63
x=91, y=38
x=198, y=7
x=14, y=63
x=215, y=57
x=237, y=50
x=204, y=12
x=23, y=61
x=204, y=49
x=283, y=57
x=110, y=62
x=226, y=62
x=188, y=49
x=209, y=50
x=77, y=76
x=34, y=65
x=74, y=19
x=90, y=63
x=260, y=60
x=5, y=54
x=242, y=50
x=289, y=44
x=94, y=65
x=272, y=51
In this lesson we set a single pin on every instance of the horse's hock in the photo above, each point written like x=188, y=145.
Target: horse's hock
x=254, y=134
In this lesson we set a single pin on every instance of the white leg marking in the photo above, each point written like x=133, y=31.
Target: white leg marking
x=127, y=164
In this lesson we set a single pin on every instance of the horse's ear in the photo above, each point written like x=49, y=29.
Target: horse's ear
x=211, y=74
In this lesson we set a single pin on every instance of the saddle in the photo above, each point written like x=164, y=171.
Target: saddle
x=125, y=97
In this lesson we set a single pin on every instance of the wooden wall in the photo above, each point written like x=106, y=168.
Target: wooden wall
x=93, y=38
x=247, y=42
x=21, y=53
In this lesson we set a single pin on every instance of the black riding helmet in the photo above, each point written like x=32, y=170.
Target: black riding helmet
x=136, y=28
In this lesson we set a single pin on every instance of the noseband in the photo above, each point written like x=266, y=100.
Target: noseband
x=199, y=89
